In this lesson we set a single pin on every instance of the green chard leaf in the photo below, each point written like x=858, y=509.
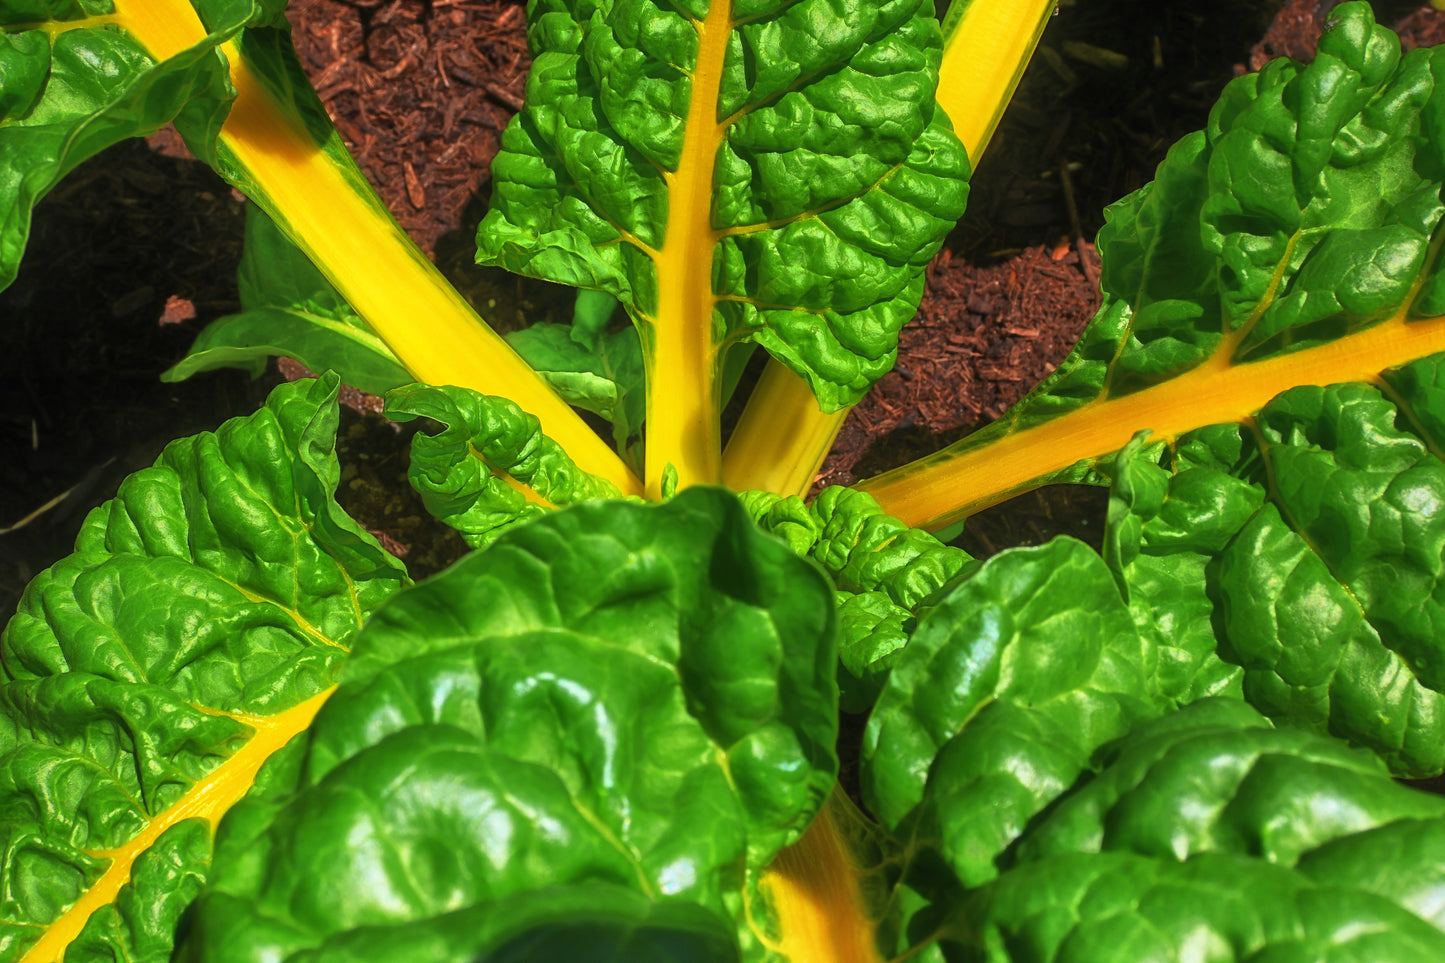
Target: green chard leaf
x=490, y=467
x=1294, y=241
x=824, y=169
x=290, y=310
x=732, y=173
x=1308, y=546
x=884, y=571
x=599, y=729
x=74, y=80
x=605, y=377
x=1012, y=682
x=197, y=627
x=1211, y=829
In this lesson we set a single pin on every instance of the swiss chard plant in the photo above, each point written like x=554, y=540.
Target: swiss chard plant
x=231, y=728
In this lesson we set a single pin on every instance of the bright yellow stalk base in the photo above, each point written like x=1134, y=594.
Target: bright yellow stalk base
x=208, y=799
x=943, y=488
x=813, y=886
x=364, y=254
x=680, y=343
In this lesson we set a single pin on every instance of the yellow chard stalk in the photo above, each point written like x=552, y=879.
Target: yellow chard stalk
x=318, y=197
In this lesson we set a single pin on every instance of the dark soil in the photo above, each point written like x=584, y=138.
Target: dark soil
x=141, y=237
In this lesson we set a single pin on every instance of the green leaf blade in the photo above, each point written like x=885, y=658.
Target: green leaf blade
x=828, y=154
x=463, y=472
x=156, y=667
x=77, y=82
x=615, y=695
x=1210, y=827
x=1316, y=538
x=290, y=310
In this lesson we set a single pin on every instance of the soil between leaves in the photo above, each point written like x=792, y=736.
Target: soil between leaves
x=141, y=238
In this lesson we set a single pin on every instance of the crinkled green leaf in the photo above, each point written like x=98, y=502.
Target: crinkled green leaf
x=1210, y=834
x=1004, y=693
x=1121, y=908
x=1216, y=777
x=1309, y=548
x=861, y=547
x=872, y=630
x=884, y=571
x=632, y=696
x=72, y=84
x=462, y=472
x=217, y=590
x=833, y=178
x=288, y=309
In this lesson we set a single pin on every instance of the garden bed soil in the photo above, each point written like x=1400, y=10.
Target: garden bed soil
x=137, y=249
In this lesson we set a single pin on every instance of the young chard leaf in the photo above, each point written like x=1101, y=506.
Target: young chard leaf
x=884, y=573
x=490, y=467
x=729, y=173
x=1292, y=242
x=605, y=377
x=147, y=676
x=290, y=309
x=636, y=697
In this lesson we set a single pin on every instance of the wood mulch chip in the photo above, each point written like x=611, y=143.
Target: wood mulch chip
x=983, y=337
x=420, y=91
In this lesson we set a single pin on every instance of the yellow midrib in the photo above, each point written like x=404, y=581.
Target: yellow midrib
x=814, y=890
x=945, y=488
x=987, y=52
x=208, y=799
x=682, y=354
x=423, y=320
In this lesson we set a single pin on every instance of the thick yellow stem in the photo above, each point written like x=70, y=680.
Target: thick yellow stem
x=815, y=891
x=681, y=342
x=987, y=45
x=327, y=209
x=782, y=438
x=946, y=487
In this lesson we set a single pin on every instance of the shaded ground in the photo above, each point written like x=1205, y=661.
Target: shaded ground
x=421, y=90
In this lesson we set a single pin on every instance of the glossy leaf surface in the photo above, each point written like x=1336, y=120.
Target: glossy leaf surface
x=197, y=626
x=1009, y=685
x=620, y=695
x=1307, y=546
x=1210, y=829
